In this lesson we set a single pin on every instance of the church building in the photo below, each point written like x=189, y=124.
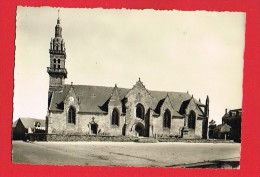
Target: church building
x=115, y=111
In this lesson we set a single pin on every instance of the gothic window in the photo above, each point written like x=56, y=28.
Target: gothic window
x=140, y=111
x=54, y=66
x=167, y=119
x=191, y=120
x=59, y=66
x=58, y=60
x=115, y=117
x=71, y=115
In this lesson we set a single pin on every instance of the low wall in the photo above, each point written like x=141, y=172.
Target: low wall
x=194, y=140
x=78, y=137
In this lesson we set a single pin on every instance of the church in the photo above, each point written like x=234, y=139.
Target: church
x=116, y=111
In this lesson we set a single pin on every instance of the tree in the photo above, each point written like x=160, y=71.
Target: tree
x=212, y=125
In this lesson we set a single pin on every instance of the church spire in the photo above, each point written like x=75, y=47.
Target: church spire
x=57, y=70
x=57, y=45
x=58, y=28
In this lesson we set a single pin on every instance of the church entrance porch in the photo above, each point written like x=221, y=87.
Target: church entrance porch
x=139, y=129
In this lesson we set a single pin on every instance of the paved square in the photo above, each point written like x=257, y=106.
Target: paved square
x=122, y=153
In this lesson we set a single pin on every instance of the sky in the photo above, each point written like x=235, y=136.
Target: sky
x=196, y=51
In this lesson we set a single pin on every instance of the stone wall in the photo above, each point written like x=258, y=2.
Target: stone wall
x=175, y=130
x=58, y=124
x=194, y=140
x=198, y=128
x=82, y=137
x=67, y=137
x=176, y=126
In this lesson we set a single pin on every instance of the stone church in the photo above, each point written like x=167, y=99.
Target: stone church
x=115, y=111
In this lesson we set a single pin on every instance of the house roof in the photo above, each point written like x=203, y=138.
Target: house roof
x=93, y=98
x=234, y=113
x=29, y=122
x=14, y=123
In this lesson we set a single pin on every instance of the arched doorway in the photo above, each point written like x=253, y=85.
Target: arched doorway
x=139, y=128
x=93, y=127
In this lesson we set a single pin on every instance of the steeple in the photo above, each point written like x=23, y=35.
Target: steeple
x=58, y=44
x=57, y=70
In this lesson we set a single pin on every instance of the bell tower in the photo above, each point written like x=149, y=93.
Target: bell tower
x=57, y=71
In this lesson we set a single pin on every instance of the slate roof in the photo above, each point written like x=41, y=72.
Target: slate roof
x=185, y=104
x=14, y=123
x=93, y=98
x=234, y=113
x=29, y=122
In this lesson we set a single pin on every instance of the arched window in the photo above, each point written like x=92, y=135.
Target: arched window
x=140, y=111
x=191, y=120
x=71, y=115
x=115, y=117
x=54, y=60
x=58, y=60
x=167, y=119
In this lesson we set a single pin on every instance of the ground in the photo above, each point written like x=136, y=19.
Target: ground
x=123, y=153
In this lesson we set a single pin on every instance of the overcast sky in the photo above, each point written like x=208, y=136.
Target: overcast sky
x=196, y=51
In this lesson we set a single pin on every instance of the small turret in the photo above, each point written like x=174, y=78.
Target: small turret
x=206, y=119
x=207, y=107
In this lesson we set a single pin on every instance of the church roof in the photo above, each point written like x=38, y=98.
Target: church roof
x=93, y=98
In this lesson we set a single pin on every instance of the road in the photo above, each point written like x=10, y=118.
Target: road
x=122, y=153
